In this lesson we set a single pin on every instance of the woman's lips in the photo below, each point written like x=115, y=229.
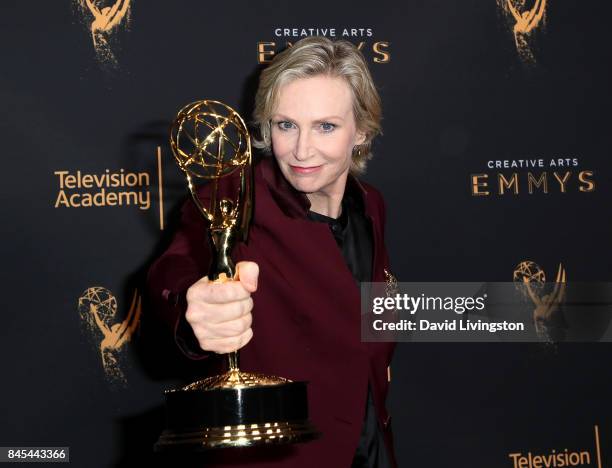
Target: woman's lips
x=305, y=170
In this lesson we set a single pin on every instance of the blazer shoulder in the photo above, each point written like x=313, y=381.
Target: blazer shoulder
x=370, y=189
x=373, y=195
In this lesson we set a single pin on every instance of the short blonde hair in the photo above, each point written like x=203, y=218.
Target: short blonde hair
x=314, y=56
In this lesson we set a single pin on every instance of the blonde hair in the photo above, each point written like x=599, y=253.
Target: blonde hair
x=314, y=56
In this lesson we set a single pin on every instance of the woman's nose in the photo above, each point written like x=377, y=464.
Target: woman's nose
x=302, y=148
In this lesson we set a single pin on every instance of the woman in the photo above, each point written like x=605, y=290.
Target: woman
x=317, y=231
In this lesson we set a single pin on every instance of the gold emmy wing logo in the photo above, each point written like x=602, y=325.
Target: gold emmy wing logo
x=98, y=312
x=104, y=18
x=526, y=20
x=531, y=280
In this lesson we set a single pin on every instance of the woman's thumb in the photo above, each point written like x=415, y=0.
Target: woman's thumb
x=247, y=273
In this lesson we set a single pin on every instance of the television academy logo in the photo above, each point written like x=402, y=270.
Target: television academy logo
x=110, y=188
x=524, y=21
x=104, y=18
x=78, y=189
x=98, y=311
x=560, y=458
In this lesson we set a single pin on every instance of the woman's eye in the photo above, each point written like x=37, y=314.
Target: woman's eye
x=285, y=125
x=327, y=127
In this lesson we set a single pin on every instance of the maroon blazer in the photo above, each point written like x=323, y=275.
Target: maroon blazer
x=306, y=315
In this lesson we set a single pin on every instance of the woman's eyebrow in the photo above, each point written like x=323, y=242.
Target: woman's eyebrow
x=319, y=120
x=331, y=117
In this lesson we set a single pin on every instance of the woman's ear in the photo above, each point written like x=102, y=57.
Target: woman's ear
x=360, y=138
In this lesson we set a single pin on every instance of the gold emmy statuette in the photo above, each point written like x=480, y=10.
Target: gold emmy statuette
x=235, y=409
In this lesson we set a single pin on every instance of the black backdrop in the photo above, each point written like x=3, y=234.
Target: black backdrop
x=457, y=94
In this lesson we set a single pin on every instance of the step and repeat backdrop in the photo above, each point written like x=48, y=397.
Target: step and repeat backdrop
x=495, y=162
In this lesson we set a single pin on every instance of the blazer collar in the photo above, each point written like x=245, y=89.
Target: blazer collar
x=293, y=203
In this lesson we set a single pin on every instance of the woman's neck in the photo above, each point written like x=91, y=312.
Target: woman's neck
x=328, y=202
x=327, y=206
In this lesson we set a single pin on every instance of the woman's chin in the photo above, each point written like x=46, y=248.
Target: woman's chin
x=304, y=185
x=305, y=188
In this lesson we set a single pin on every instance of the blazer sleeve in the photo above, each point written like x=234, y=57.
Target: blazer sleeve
x=382, y=220
x=383, y=225
x=170, y=276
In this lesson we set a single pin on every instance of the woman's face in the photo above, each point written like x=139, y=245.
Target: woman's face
x=314, y=132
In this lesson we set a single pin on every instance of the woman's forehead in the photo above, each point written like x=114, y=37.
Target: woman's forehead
x=315, y=97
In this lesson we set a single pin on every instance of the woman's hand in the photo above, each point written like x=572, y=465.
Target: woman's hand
x=220, y=313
